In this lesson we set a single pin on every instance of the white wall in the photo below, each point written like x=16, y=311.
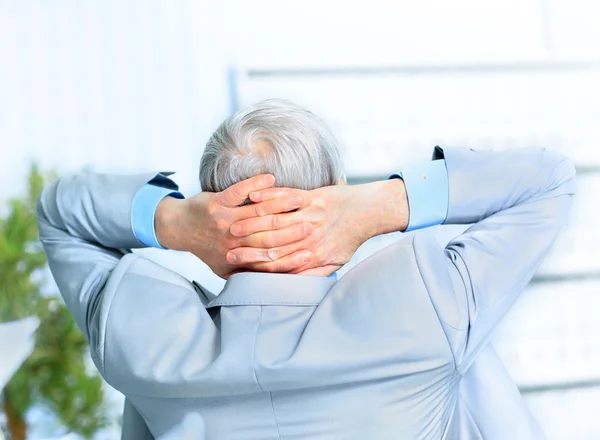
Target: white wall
x=121, y=86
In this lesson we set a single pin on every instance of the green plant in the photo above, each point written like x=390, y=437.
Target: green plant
x=55, y=376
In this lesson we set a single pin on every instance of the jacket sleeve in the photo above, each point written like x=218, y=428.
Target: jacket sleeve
x=85, y=228
x=134, y=425
x=147, y=326
x=509, y=417
x=517, y=200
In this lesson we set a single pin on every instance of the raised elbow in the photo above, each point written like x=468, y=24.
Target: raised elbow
x=562, y=173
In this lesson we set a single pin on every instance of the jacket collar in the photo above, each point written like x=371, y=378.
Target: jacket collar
x=258, y=289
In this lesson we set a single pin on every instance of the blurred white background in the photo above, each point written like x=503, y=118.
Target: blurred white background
x=131, y=85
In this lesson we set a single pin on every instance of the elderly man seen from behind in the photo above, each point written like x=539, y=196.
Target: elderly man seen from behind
x=378, y=354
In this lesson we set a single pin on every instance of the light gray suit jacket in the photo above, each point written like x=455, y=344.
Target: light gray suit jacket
x=379, y=354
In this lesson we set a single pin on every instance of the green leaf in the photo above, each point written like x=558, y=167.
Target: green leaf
x=56, y=375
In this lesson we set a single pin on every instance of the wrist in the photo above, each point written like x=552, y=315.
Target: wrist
x=391, y=211
x=167, y=219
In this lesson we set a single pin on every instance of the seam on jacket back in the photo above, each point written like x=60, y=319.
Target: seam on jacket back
x=254, y=351
x=256, y=374
x=275, y=415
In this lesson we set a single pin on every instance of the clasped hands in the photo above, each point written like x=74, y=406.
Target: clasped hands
x=282, y=230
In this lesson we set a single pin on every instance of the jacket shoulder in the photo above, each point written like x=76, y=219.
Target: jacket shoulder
x=387, y=294
x=142, y=304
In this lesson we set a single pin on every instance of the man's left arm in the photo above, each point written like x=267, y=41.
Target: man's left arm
x=89, y=221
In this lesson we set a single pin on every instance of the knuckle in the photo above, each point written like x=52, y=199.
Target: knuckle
x=268, y=267
x=221, y=247
x=295, y=199
x=269, y=239
x=237, y=229
x=273, y=254
x=257, y=210
x=307, y=229
x=222, y=224
x=235, y=191
x=262, y=255
x=230, y=243
x=320, y=202
x=297, y=260
x=212, y=208
x=275, y=222
x=235, y=195
x=272, y=268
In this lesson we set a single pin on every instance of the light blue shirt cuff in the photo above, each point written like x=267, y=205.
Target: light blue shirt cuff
x=143, y=210
x=427, y=192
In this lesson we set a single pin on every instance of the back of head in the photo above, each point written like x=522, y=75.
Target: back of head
x=276, y=137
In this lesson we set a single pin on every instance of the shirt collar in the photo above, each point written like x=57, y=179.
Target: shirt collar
x=254, y=288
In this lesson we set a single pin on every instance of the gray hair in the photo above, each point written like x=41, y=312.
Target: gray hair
x=274, y=136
